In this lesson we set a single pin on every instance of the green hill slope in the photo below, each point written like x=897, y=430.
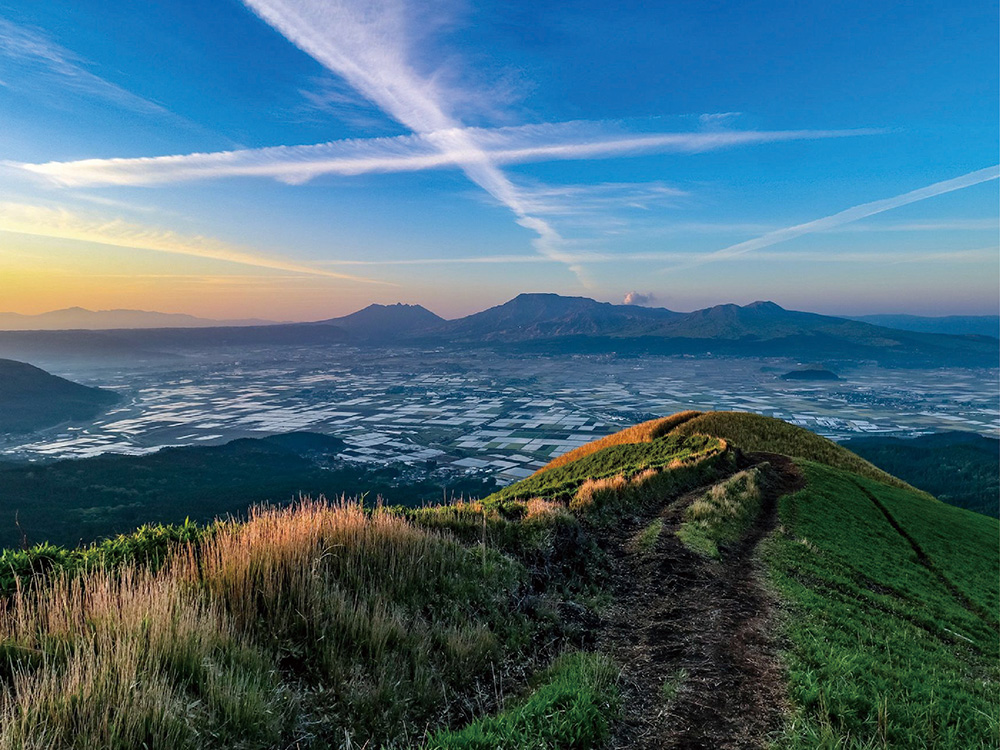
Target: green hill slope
x=959, y=468
x=32, y=399
x=753, y=432
x=695, y=589
x=890, y=605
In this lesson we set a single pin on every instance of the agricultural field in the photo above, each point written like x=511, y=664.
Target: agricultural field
x=498, y=415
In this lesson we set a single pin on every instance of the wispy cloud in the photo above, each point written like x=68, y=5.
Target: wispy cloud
x=32, y=53
x=717, y=119
x=976, y=255
x=61, y=223
x=500, y=146
x=327, y=96
x=370, y=45
x=573, y=200
x=846, y=216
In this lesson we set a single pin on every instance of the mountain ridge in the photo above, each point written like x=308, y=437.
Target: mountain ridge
x=554, y=324
x=80, y=318
x=385, y=321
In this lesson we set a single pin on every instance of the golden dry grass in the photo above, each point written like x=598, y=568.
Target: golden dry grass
x=644, y=432
x=597, y=490
x=96, y=661
x=355, y=624
x=649, y=483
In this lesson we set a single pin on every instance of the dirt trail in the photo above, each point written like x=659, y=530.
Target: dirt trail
x=700, y=625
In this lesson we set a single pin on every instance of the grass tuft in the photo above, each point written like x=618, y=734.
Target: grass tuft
x=673, y=684
x=570, y=710
x=646, y=539
x=724, y=513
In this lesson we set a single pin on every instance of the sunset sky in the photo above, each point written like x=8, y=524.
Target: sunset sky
x=299, y=159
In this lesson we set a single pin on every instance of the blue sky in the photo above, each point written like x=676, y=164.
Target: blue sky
x=297, y=159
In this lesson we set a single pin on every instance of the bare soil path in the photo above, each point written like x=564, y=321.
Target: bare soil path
x=700, y=627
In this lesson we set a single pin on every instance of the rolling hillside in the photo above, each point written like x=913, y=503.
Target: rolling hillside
x=72, y=501
x=31, y=399
x=710, y=580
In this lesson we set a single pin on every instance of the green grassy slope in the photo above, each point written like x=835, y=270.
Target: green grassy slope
x=754, y=432
x=889, y=647
x=627, y=459
x=571, y=708
x=961, y=469
x=888, y=598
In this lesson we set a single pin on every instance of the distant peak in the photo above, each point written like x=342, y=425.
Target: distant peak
x=541, y=295
x=551, y=297
x=393, y=306
x=765, y=306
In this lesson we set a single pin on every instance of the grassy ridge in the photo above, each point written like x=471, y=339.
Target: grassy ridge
x=644, y=432
x=320, y=622
x=387, y=626
x=627, y=460
x=754, y=432
x=882, y=652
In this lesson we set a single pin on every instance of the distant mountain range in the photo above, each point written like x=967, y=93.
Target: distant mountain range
x=79, y=318
x=983, y=325
x=553, y=324
x=32, y=399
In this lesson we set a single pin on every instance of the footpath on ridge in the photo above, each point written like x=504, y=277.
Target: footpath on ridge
x=692, y=635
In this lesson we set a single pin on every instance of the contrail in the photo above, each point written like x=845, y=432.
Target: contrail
x=846, y=216
x=366, y=43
